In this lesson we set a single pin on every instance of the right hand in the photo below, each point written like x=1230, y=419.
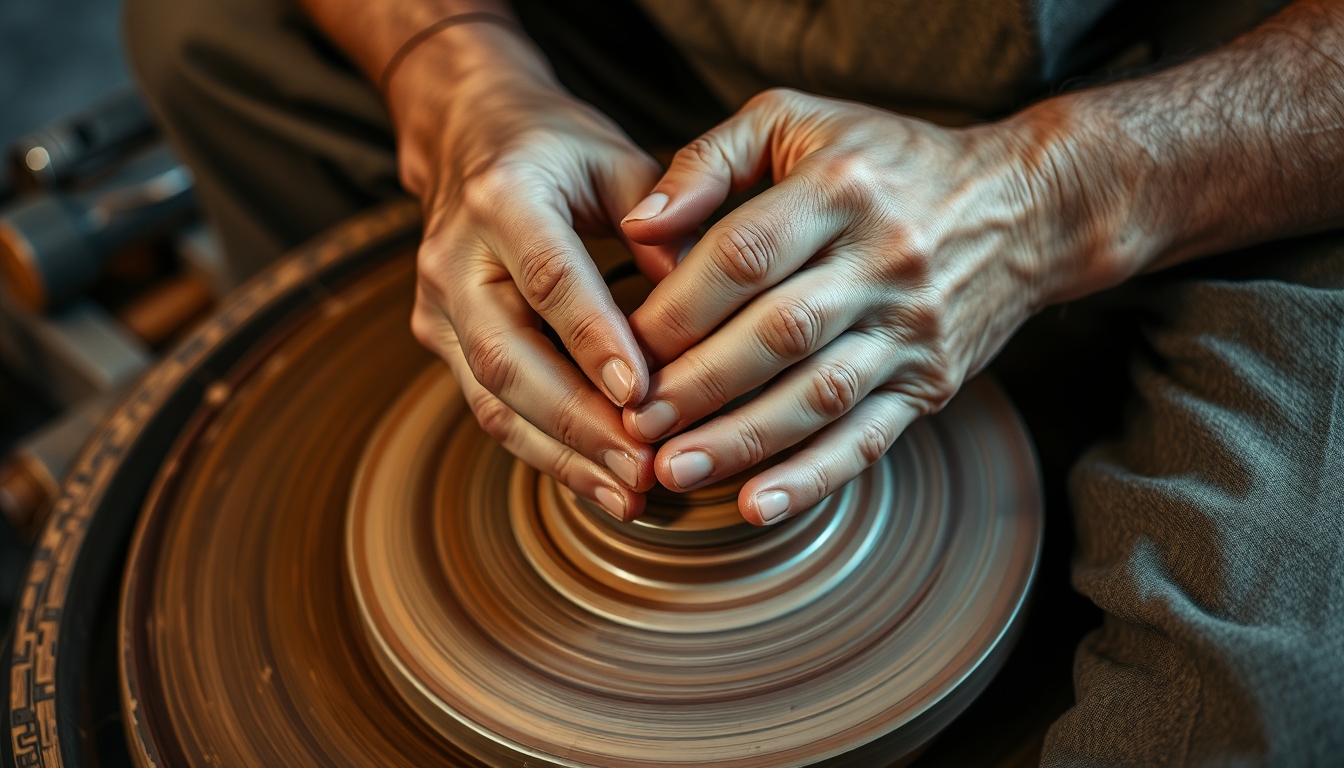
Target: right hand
x=509, y=169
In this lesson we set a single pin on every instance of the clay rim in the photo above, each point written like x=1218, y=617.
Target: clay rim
x=953, y=695
x=80, y=548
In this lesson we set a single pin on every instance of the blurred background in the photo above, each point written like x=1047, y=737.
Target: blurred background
x=105, y=262
x=103, y=258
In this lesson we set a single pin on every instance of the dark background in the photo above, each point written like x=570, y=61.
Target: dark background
x=56, y=56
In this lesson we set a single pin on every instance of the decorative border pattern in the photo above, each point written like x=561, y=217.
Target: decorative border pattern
x=35, y=729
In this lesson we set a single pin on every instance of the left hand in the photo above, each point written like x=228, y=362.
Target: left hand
x=889, y=262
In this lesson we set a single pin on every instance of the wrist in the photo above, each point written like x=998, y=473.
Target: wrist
x=1084, y=182
x=451, y=86
x=371, y=34
x=462, y=60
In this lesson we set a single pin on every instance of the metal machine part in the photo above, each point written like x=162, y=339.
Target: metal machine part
x=52, y=247
x=81, y=144
x=201, y=252
x=61, y=693
x=31, y=475
x=70, y=355
x=82, y=351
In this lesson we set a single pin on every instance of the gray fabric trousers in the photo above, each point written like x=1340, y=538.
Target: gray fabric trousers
x=1210, y=530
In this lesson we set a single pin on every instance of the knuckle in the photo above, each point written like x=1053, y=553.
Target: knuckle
x=928, y=315
x=915, y=257
x=907, y=263
x=793, y=328
x=563, y=468
x=424, y=329
x=585, y=333
x=666, y=330
x=834, y=391
x=931, y=379
x=701, y=153
x=680, y=321
x=852, y=177
x=491, y=363
x=937, y=384
x=774, y=98
x=744, y=255
x=485, y=190
x=708, y=384
x=432, y=266
x=874, y=440
x=815, y=478
x=921, y=315
x=495, y=418
x=546, y=274
x=567, y=418
x=751, y=443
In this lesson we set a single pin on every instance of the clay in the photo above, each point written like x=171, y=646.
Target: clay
x=337, y=567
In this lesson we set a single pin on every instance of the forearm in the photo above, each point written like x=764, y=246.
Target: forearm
x=509, y=167
x=371, y=32
x=1240, y=146
x=445, y=82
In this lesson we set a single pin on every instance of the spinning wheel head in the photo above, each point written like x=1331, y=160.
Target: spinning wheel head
x=337, y=566
x=517, y=620
x=704, y=517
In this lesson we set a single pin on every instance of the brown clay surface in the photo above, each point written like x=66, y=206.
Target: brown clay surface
x=251, y=654
x=456, y=604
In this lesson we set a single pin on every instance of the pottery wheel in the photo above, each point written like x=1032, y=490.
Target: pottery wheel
x=337, y=566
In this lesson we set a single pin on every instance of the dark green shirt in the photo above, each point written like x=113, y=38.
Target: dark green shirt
x=948, y=60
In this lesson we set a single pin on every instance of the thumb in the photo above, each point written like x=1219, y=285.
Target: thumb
x=731, y=157
x=621, y=185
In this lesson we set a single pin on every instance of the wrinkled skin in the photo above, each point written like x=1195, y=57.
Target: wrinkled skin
x=511, y=169
x=888, y=263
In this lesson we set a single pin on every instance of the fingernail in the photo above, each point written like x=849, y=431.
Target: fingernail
x=616, y=375
x=648, y=208
x=622, y=466
x=690, y=468
x=611, y=501
x=771, y=505
x=654, y=419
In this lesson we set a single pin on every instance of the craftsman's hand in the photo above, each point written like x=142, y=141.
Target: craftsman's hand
x=888, y=263
x=508, y=166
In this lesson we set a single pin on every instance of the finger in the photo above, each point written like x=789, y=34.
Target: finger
x=621, y=184
x=843, y=450
x=778, y=329
x=803, y=400
x=536, y=449
x=657, y=261
x=753, y=248
x=730, y=157
x=559, y=280
x=515, y=362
